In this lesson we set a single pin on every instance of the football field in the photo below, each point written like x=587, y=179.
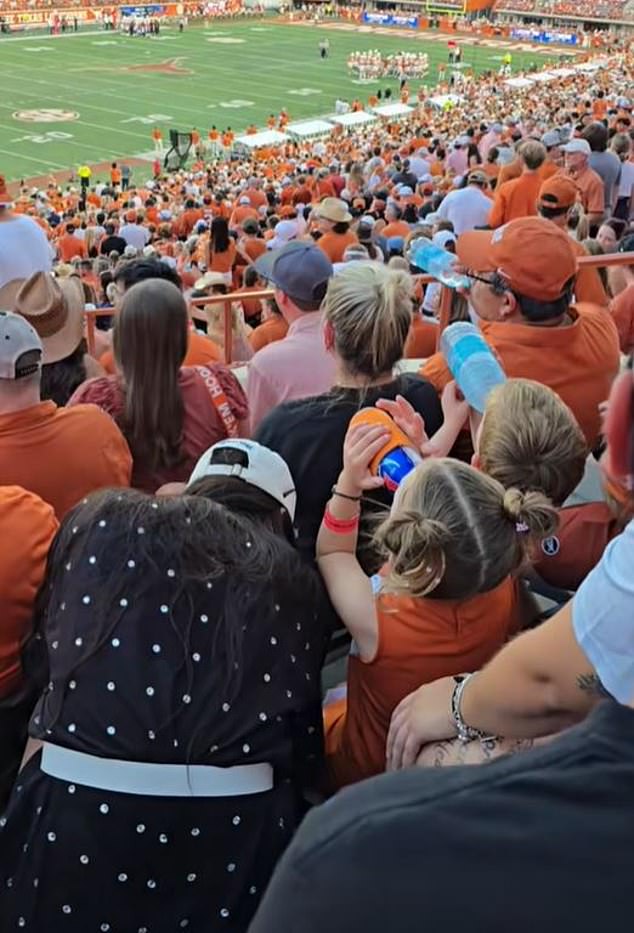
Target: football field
x=96, y=96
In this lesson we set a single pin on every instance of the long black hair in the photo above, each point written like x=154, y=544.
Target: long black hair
x=219, y=236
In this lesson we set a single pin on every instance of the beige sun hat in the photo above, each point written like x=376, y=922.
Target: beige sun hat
x=334, y=209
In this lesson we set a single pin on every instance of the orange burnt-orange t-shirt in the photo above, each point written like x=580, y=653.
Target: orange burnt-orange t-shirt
x=27, y=527
x=579, y=362
x=62, y=454
x=420, y=640
x=334, y=245
x=223, y=262
x=515, y=199
x=274, y=329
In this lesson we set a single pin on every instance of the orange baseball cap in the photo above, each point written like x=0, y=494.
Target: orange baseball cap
x=558, y=192
x=531, y=253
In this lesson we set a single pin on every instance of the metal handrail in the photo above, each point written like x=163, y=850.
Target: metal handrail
x=92, y=314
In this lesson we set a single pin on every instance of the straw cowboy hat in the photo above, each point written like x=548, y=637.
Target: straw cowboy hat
x=334, y=209
x=55, y=308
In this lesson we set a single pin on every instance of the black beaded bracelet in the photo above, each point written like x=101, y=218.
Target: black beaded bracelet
x=342, y=495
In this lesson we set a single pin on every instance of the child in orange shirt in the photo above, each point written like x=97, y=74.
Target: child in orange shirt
x=448, y=600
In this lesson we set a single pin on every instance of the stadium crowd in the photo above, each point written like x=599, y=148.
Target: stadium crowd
x=184, y=529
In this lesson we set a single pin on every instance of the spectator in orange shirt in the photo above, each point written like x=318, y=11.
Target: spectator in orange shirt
x=27, y=528
x=272, y=328
x=522, y=285
x=241, y=212
x=57, y=453
x=221, y=255
x=557, y=197
x=518, y=198
x=554, y=161
x=251, y=245
x=70, y=247
x=394, y=226
x=449, y=598
x=333, y=220
x=577, y=161
x=599, y=106
x=115, y=176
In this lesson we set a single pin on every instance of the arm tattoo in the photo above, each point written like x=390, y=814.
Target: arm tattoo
x=591, y=683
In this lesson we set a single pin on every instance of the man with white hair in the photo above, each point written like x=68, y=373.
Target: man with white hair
x=591, y=189
x=24, y=248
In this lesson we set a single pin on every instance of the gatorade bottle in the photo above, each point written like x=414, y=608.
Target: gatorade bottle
x=436, y=261
x=397, y=457
x=472, y=362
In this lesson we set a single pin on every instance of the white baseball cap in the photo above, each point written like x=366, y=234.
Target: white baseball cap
x=260, y=467
x=578, y=145
x=20, y=347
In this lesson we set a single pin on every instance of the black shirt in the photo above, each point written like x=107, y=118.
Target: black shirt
x=309, y=433
x=112, y=243
x=540, y=842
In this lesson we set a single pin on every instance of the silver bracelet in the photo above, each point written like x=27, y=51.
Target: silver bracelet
x=465, y=732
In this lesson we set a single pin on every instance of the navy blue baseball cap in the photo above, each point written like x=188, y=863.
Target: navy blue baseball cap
x=300, y=269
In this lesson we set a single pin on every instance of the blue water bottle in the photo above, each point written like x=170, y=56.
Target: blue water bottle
x=436, y=261
x=472, y=362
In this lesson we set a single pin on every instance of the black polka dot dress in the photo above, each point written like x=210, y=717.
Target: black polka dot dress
x=157, y=684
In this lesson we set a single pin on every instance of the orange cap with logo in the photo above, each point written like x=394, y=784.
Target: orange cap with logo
x=532, y=254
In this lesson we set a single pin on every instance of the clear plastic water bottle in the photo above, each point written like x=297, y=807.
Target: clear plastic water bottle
x=472, y=362
x=436, y=261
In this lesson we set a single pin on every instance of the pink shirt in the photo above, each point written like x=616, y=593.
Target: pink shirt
x=488, y=141
x=458, y=161
x=296, y=367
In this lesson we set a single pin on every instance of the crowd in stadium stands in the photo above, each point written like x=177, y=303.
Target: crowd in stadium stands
x=184, y=535
x=601, y=9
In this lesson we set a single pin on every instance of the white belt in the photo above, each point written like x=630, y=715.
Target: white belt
x=155, y=780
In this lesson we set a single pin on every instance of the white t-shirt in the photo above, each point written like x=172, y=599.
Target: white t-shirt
x=466, y=209
x=603, y=617
x=24, y=249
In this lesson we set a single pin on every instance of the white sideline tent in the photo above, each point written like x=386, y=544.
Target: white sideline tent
x=563, y=72
x=519, y=82
x=309, y=129
x=393, y=111
x=439, y=100
x=544, y=76
x=258, y=140
x=358, y=118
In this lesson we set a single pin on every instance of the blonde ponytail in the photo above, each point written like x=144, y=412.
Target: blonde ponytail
x=531, y=513
x=370, y=310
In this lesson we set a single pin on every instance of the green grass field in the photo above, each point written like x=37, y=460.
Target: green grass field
x=235, y=73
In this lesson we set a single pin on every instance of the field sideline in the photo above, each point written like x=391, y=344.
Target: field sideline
x=105, y=101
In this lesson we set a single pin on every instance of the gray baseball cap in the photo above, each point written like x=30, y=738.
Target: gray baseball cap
x=20, y=347
x=300, y=269
x=551, y=138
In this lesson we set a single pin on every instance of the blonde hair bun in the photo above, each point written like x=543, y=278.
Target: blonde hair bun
x=532, y=512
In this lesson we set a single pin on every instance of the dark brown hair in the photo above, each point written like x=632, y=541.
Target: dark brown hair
x=150, y=343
